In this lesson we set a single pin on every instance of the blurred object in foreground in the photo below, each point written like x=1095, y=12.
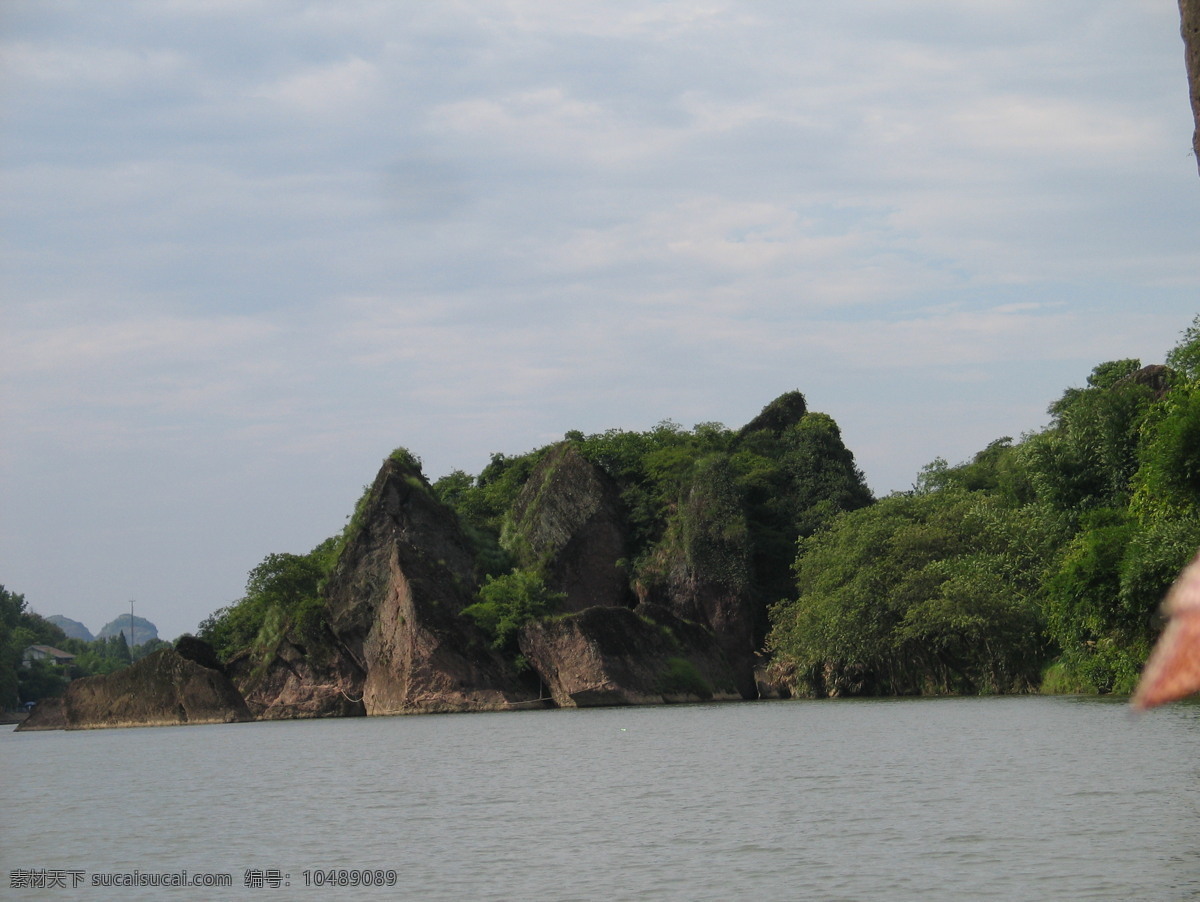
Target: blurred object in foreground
x=1173, y=670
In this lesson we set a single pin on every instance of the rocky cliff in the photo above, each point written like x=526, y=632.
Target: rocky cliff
x=614, y=656
x=567, y=524
x=701, y=569
x=665, y=546
x=1189, y=13
x=395, y=602
x=294, y=681
x=170, y=687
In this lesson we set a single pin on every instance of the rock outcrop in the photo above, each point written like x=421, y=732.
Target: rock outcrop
x=726, y=610
x=1155, y=377
x=293, y=684
x=395, y=604
x=168, y=687
x=701, y=570
x=1189, y=14
x=615, y=656
x=786, y=410
x=567, y=524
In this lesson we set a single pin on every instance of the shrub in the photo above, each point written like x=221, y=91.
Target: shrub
x=680, y=677
x=508, y=602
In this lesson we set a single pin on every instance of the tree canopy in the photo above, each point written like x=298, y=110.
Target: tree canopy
x=1037, y=562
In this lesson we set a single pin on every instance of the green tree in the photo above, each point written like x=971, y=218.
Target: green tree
x=1107, y=375
x=508, y=602
x=12, y=606
x=997, y=470
x=20, y=628
x=1088, y=456
x=1167, y=483
x=481, y=504
x=918, y=593
x=123, y=654
x=41, y=679
x=282, y=591
x=1184, y=358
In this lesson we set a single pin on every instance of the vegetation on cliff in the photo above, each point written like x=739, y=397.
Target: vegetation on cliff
x=729, y=504
x=1039, y=561
x=670, y=507
x=283, y=592
x=508, y=602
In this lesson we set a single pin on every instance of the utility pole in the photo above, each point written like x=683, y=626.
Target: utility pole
x=131, y=629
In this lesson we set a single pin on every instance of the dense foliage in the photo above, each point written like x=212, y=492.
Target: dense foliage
x=730, y=504
x=283, y=594
x=919, y=593
x=20, y=628
x=1042, y=561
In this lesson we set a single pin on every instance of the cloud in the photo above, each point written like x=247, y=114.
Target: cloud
x=85, y=68
x=337, y=91
x=552, y=127
x=249, y=247
x=1026, y=125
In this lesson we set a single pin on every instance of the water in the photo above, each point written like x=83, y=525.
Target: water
x=999, y=798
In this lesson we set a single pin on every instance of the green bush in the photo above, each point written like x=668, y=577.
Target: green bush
x=281, y=592
x=680, y=677
x=508, y=602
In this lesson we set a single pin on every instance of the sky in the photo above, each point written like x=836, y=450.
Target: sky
x=248, y=247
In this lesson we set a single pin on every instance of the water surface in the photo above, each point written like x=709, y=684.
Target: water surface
x=994, y=798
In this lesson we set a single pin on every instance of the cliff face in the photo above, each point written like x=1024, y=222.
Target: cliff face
x=293, y=684
x=165, y=688
x=395, y=605
x=701, y=571
x=1189, y=13
x=567, y=523
x=725, y=610
x=615, y=656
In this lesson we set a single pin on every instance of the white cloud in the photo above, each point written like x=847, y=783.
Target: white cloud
x=339, y=90
x=1086, y=134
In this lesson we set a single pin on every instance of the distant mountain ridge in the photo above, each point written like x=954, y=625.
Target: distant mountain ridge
x=73, y=628
x=143, y=629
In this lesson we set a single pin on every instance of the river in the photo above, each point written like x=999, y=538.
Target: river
x=933, y=799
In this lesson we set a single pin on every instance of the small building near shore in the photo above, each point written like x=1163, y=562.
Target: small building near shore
x=47, y=653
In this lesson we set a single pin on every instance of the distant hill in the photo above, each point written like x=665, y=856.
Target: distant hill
x=143, y=629
x=73, y=628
